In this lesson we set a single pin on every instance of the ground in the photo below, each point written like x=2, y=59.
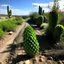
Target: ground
x=14, y=53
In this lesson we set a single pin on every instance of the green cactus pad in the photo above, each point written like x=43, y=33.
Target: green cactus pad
x=58, y=32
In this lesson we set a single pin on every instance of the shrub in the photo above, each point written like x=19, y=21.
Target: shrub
x=7, y=26
x=19, y=22
x=58, y=32
x=18, y=18
x=33, y=15
x=1, y=32
x=39, y=20
x=31, y=44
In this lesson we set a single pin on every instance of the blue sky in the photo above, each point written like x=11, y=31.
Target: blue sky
x=23, y=7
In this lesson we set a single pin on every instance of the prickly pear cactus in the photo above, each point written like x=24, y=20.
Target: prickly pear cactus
x=31, y=44
x=58, y=32
x=39, y=20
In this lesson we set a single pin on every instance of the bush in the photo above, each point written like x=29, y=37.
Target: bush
x=19, y=22
x=18, y=18
x=39, y=20
x=31, y=44
x=33, y=15
x=7, y=26
x=58, y=32
x=1, y=32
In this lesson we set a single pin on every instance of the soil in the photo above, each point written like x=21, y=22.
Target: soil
x=14, y=53
x=6, y=41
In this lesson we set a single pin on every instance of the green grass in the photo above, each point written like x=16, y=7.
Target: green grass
x=1, y=32
x=9, y=25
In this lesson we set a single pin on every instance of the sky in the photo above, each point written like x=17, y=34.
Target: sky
x=25, y=7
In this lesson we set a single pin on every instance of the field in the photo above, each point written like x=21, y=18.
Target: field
x=37, y=38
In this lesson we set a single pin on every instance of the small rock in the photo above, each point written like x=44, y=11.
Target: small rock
x=10, y=33
x=27, y=62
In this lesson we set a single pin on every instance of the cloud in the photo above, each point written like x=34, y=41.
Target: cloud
x=20, y=12
x=15, y=12
x=4, y=5
x=61, y=5
x=50, y=4
x=40, y=4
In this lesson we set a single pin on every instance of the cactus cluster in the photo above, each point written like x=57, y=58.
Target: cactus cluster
x=9, y=12
x=53, y=18
x=54, y=31
x=39, y=20
x=31, y=44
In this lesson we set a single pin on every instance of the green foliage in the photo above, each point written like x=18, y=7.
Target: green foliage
x=39, y=20
x=33, y=15
x=56, y=5
x=1, y=32
x=31, y=44
x=40, y=10
x=7, y=25
x=19, y=22
x=25, y=16
x=58, y=32
x=18, y=18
